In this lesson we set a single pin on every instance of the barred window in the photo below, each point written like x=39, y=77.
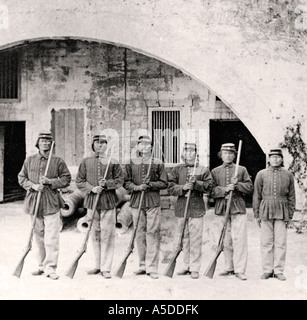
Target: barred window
x=166, y=133
x=9, y=75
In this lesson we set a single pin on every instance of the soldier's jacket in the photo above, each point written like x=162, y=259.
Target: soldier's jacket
x=91, y=170
x=178, y=178
x=51, y=201
x=221, y=178
x=136, y=172
x=274, y=194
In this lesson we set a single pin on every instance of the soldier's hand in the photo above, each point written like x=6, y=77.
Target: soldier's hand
x=102, y=183
x=230, y=187
x=259, y=222
x=110, y=181
x=44, y=180
x=137, y=188
x=141, y=187
x=146, y=180
x=234, y=180
x=37, y=187
x=97, y=189
x=188, y=186
x=144, y=186
x=192, y=179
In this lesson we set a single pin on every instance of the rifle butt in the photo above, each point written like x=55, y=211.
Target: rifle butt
x=211, y=267
x=72, y=270
x=73, y=267
x=121, y=268
x=210, y=270
x=170, y=269
x=18, y=270
x=171, y=266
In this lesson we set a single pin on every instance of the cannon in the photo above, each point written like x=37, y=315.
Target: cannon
x=73, y=202
x=124, y=218
x=123, y=197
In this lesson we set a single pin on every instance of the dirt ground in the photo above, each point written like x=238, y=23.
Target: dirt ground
x=14, y=231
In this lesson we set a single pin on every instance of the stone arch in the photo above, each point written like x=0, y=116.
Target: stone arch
x=205, y=82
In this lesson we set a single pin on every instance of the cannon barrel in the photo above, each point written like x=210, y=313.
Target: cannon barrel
x=82, y=224
x=123, y=197
x=73, y=202
x=124, y=218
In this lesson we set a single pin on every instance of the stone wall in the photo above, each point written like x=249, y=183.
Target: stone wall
x=116, y=87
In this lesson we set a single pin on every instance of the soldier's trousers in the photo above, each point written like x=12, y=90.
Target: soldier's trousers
x=47, y=235
x=192, y=242
x=273, y=245
x=103, y=238
x=235, y=241
x=148, y=238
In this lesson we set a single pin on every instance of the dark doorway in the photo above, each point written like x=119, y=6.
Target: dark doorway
x=13, y=150
x=252, y=156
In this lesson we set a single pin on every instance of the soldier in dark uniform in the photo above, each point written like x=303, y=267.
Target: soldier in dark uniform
x=235, y=241
x=148, y=231
x=90, y=180
x=180, y=182
x=48, y=221
x=274, y=204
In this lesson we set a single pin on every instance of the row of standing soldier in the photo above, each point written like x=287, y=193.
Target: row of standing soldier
x=273, y=206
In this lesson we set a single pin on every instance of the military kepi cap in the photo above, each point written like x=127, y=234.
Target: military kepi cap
x=228, y=147
x=144, y=139
x=189, y=145
x=276, y=151
x=100, y=137
x=44, y=135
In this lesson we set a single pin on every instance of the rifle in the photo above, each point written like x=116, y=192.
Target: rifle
x=212, y=265
x=19, y=267
x=172, y=264
x=73, y=267
x=122, y=266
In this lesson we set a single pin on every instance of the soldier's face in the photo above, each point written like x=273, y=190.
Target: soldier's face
x=44, y=144
x=100, y=146
x=227, y=156
x=144, y=147
x=189, y=155
x=275, y=160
